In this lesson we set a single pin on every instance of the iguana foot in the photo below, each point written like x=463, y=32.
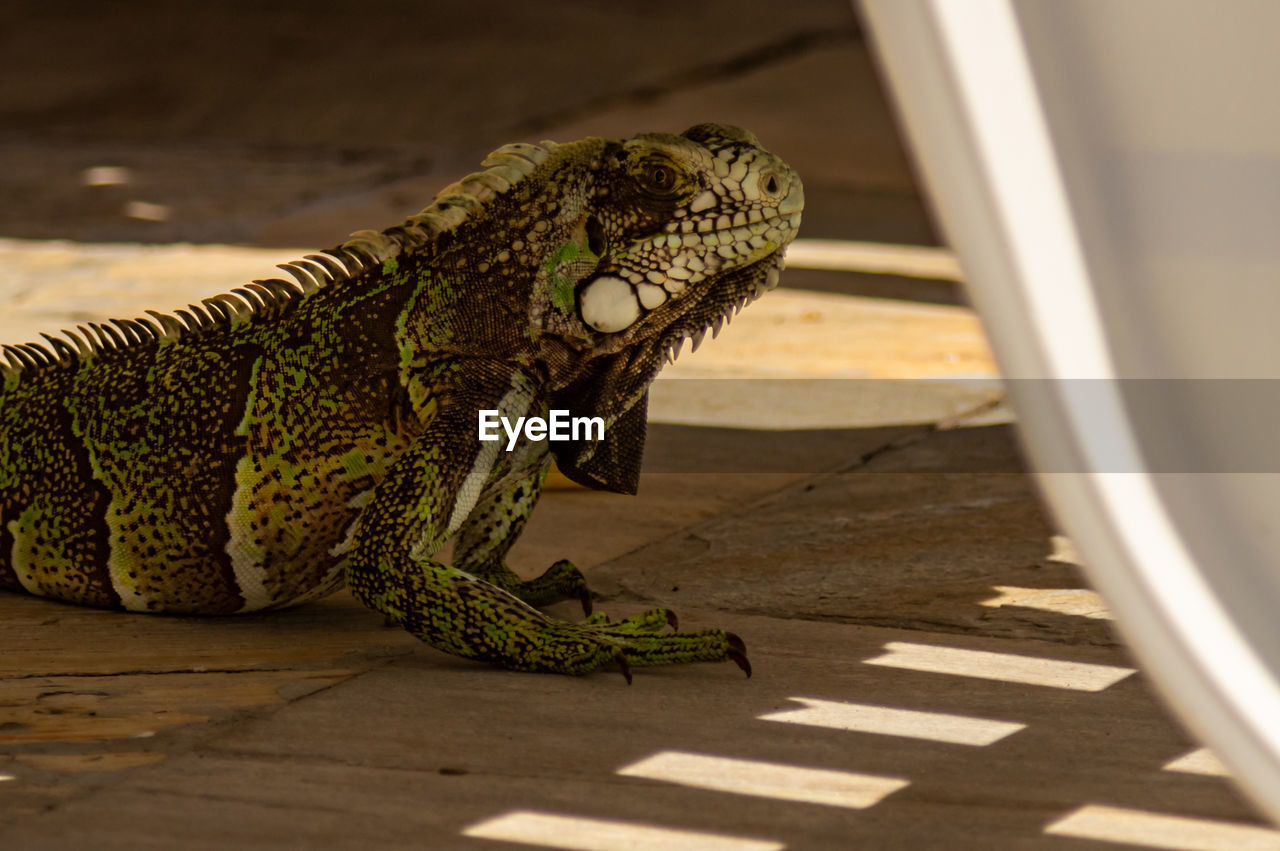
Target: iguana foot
x=634, y=642
x=454, y=612
x=652, y=620
x=561, y=581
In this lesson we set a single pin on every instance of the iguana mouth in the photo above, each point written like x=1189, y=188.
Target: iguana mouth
x=720, y=303
x=618, y=299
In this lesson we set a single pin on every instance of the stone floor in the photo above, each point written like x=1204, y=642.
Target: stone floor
x=835, y=478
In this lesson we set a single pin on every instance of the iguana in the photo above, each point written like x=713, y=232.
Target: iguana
x=259, y=449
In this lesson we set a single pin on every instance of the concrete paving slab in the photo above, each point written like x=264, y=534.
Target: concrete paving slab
x=415, y=751
x=36, y=640
x=858, y=180
x=903, y=539
x=302, y=116
x=224, y=72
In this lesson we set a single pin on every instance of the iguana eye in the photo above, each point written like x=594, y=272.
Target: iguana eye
x=659, y=179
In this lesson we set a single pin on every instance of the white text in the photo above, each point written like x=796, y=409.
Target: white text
x=558, y=426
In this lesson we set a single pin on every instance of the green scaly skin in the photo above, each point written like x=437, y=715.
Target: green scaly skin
x=262, y=448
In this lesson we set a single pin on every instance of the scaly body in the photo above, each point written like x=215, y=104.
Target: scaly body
x=263, y=448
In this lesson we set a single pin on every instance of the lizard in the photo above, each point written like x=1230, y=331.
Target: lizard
x=273, y=443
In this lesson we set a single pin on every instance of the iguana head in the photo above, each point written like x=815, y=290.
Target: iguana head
x=676, y=234
x=679, y=231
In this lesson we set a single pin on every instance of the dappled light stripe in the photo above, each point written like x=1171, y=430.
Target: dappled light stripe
x=1078, y=602
x=1160, y=830
x=888, y=721
x=1005, y=667
x=766, y=779
x=877, y=258
x=1198, y=761
x=592, y=834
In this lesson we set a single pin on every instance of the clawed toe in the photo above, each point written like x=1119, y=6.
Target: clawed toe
x=625, y=666
x=738, y=653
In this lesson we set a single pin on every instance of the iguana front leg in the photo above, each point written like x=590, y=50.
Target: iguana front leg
x=422, y=500
x=493, y=526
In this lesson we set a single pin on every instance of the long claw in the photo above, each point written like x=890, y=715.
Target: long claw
x=738, y=653
x=672, y=620
x=585, y=597
x=626, y=668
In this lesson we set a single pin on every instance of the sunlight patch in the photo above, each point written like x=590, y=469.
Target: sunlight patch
x=916, y=261
x=105, y=175
x=1158, y=830
x=885, y=721
x=1199, y=761
x=766, y=779
x=1080, y=602
x=146, y=211
x=591, y=834
x=1006, y=667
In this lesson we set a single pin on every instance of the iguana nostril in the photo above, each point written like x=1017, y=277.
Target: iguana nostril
x=794, y=202
x=771, y=185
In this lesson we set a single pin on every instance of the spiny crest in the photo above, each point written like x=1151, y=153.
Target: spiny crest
x=272, y=296
x=503, y=168
x=266, y=297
